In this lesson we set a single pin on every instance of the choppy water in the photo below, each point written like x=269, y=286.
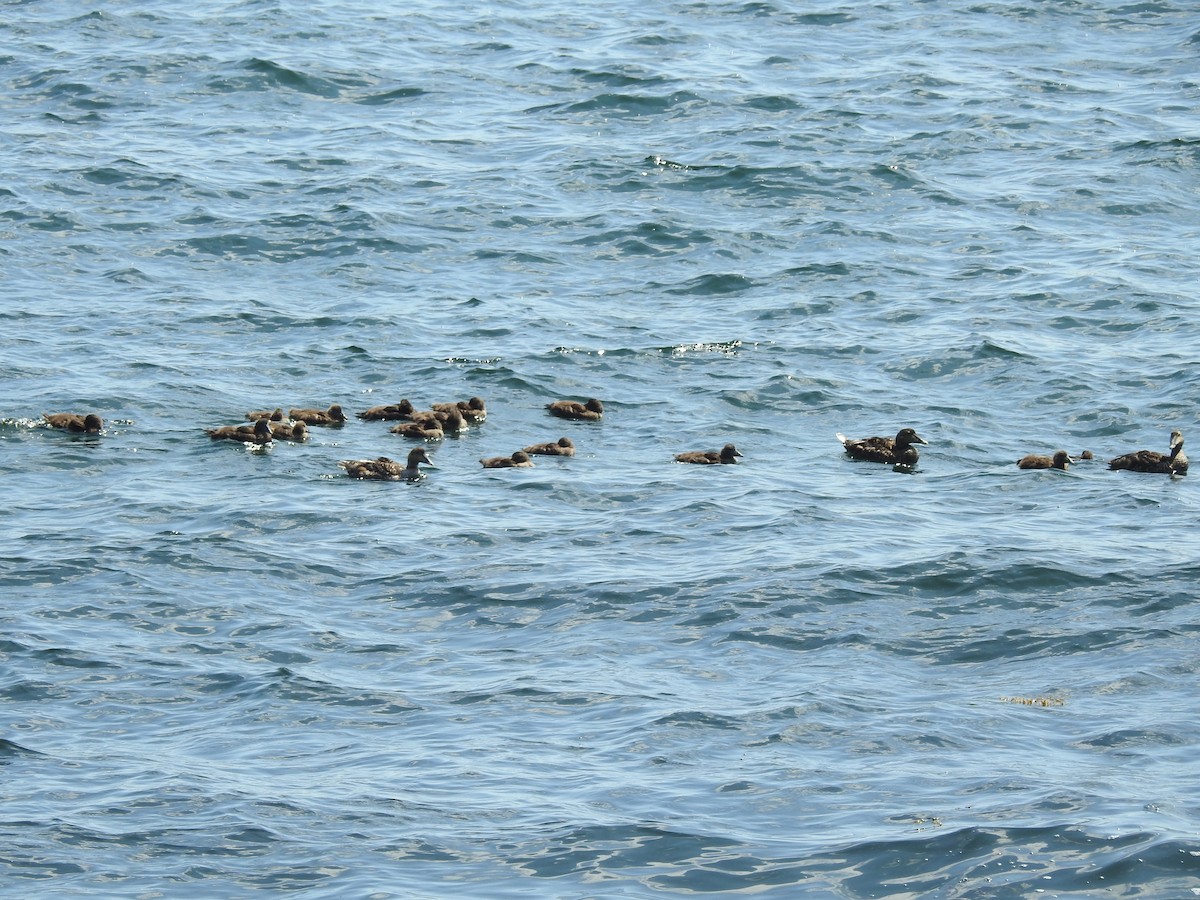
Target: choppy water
x=227, y=672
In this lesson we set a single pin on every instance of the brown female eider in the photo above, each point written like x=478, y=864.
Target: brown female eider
x=423, y=430
x=284, y=431
x=728, y=455
x=519, y=460
x=564, y=446
x=1173, y=463
x=258, y=433
x=592, y=411
x=389, y=413
x=897, y=451
x=331, y=416
x=275, y=416
x=1060, y=460
x=75, y=422
x=384, y=469
x=473, y=410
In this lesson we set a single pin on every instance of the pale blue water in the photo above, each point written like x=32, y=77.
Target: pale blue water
x=226, y=673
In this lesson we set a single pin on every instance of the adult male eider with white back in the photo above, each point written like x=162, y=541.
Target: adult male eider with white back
x=1173, y=463
x=897, y=451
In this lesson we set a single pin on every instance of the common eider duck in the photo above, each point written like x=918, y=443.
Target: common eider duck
x=452, y=420
x=390, y=413
x=1173, y=463
x=592, y=411
x=727, y=454
x=897, y=451
x=519, y=460
x=564, y=446
x=1060, y=460
x=285, y=431
x=331, y=416
x=258, y=433
x=473, y=410
x=384, y=469
x=422, y=429
x=76, y=423
x=275, y=415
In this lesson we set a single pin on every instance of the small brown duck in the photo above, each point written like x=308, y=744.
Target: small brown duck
x=564, y=446
x=452, y=420
x=1060, y=460
x=390, y=413
x=258, y=433
x=331, y=416
x=592, y=411
x=422, y=429
x=473, y=410
x=288, y=431
x=77, y=423
x=519, y=460
x=897, y=451
x=384, y=469
x=727, y=454
x=1173, y=463
x=275, y=415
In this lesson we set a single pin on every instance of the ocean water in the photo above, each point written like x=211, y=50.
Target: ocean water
x=227, y=672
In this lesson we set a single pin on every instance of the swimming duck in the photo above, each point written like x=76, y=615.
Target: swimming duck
x=389, y=413
x=384, y=469
x=422, y=429
x=898, y=451
x=728, y=454
x=473, y=410
x=1173, y=463
x=75, y=422
x=564, y=446
x=258, y=433
x=519, y=460
x=591, y=411
x=284, y=431
x=274, y=416
x=331, y=416
x=1060, y=460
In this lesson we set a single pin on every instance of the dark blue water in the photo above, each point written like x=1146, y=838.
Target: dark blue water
x=227, y=671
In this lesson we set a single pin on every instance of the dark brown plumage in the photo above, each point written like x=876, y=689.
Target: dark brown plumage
x=289, y=431
x=384, y=469
x=77, y=423
x=258, y=433
x=564, y=446
x=424, y=429
x=473, y=410
x=331, y=416
x=1060, y=460
x=592, y=411
x=727, y=455
x=897, y=451
x=389, y=413
x=519, y=460
x=1173, y=463
x=275, y=415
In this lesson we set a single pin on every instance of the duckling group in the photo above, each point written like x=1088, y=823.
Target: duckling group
x=262, y=427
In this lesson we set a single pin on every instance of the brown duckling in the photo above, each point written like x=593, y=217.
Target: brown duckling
x=592, y=411
x=289, y=431
x=519, y=460
x=1173, y=463
x=384, y=469
x=390, y=413
x=425, y=429
x=331, y=416
x=897, y=451
x=564, y=446
x=728, y=455
x=1060, y=460
x=76, y=423
x=258, y=433
x=473, y=410
x=273, y=416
